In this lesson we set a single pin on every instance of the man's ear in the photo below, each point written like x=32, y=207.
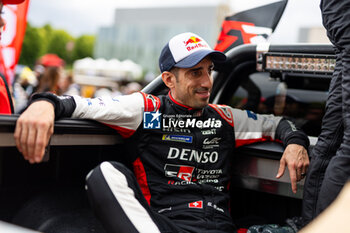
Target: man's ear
x=169, y=79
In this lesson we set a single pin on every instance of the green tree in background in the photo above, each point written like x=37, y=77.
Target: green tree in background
x=58, y=45
x=43, y=40
x=46, y=34
x=31, y=47
x=84, y=47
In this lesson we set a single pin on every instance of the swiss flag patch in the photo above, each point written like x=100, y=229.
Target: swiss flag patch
x=196, y=204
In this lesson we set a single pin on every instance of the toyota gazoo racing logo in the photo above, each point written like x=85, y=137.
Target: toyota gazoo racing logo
x=180, y=171
x=189, y=175
x=193, y=43
x=235, y=33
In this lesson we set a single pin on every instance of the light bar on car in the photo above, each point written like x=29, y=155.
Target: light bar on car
x=297, y=63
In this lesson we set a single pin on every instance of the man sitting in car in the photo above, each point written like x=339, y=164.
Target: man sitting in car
x=182, y=146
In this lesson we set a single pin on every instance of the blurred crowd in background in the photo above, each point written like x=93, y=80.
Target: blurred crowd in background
x=49, y=75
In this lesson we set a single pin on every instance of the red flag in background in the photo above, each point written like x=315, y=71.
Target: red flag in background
x=15, y=17
x=250, y=26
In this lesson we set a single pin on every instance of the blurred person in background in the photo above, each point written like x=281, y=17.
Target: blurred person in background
x=49, y=69
x=24, y=85
x=67, y=86
x=102, y=92
x=6, y=105
x=112, y=91
x=38, y=71
x=132, y=88
x=116, y=90
x=49, y=81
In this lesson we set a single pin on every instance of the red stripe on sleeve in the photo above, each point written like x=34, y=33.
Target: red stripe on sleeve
x=226, y=115
x=152, y=103
x=124, y=132
x=242, y=142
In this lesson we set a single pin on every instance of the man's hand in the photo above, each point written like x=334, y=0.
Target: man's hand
x=297, y=160
x=34, y=129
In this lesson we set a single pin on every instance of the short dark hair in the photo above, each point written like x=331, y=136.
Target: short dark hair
x=175, y=71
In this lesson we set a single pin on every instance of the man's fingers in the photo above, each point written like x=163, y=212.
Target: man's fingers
x=281, y=169
x=299, y=170
x=293, y=177
x=23, y=140
x=298, y=174
x=303, y=171
x=41, y=142
x=33, y=129
x=297, y=160
x=17, y=136
x=305, y=166
x=31, y=141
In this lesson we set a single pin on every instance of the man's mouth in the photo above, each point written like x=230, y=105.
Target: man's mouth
x=203, y=93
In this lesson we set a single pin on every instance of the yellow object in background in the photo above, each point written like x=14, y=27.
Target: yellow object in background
x=87, y=91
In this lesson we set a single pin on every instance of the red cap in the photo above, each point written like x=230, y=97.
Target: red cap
x=51, y=60
x=12, y=1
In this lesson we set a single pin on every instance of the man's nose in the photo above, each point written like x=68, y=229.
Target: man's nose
x=206, y=80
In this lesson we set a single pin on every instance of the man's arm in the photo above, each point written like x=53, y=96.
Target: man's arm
x=35, y=125
x=295, y=155
x=34, y=129
x=251, y=127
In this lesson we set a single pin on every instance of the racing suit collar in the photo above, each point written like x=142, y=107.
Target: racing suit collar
x=192, y=111
x=177, y=103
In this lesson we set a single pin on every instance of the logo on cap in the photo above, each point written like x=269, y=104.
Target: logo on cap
x=192, y=40
x=194, y=43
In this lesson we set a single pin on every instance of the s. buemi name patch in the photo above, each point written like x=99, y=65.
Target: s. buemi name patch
x=177, y=138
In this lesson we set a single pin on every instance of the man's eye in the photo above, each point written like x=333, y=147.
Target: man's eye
x=211, y=69
x=196, y=73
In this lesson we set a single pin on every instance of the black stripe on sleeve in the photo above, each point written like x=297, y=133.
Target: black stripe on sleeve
x=288, y=133
x=64, y=105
